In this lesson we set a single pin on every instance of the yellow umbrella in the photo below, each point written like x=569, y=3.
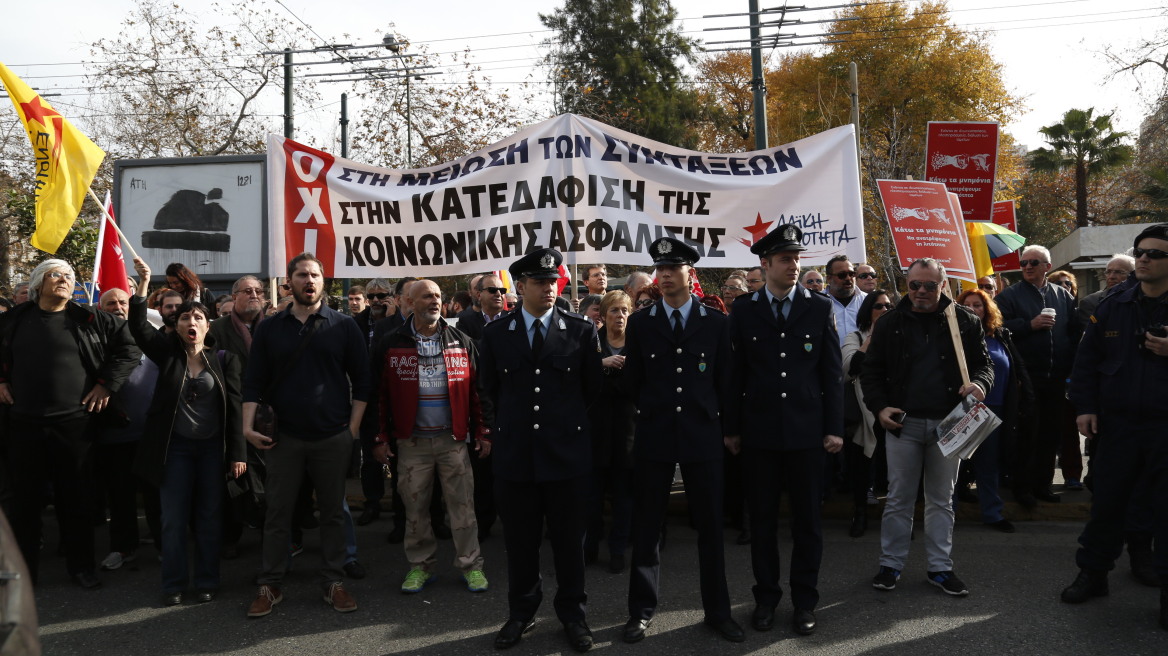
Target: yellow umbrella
x=988, y=240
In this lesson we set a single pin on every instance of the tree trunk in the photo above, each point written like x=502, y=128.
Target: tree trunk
x=1081, y=194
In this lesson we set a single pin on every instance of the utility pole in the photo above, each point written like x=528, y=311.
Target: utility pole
x=757, y=83
x=345, y=125
x=288, y=93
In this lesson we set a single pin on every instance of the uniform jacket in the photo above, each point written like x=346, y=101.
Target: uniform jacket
x=887, y=366
x=788, y=389
x=1113, y=376
x=167, y=352
x=681, y=387
x=537, y=409
x=103, y=341
x=398, y=388
x=1048, y=353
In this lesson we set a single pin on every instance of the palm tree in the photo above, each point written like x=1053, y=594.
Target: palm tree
x=1155, y=195
x=1087, y=143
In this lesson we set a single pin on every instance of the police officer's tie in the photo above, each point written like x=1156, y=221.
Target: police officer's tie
x=677, y=325
x=777, y=306
x=537, y=339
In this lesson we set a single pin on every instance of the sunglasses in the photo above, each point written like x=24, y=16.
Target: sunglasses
x=882, y=306
x=866, y=276
x=813, y=281
x=844, y=275
x=250, y=291
x=495, y=290
x=988, y=288
x=379, y=296
x=1152, y=253
x=1030, y=263
x=929, y=285
x=645, y=302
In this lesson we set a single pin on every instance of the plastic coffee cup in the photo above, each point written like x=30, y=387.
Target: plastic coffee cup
x=1050, y=312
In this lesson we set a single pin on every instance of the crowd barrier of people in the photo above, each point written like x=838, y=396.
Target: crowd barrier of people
x=516, y=407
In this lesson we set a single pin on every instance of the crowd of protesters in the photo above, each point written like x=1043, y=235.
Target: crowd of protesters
x=513, y=406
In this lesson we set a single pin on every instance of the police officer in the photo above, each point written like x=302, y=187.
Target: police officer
x=540, y=370
x=1117, y=387
x=787, y=404
x=678, y=366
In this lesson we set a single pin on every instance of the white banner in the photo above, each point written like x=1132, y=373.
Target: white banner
x=593, y=192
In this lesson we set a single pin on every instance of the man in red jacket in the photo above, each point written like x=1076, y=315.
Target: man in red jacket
x=430, y=406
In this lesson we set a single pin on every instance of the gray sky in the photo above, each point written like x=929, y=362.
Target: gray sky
x=1050, y=50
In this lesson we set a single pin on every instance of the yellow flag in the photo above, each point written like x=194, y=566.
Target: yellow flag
x=66, y=161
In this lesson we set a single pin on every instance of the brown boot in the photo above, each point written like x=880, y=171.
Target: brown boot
x=267, y=597
x=339, y=599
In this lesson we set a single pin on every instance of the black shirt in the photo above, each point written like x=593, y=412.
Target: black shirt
x=926, y=396
x=47, y=377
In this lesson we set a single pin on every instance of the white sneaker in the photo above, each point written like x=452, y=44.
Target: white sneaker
x=116, y=559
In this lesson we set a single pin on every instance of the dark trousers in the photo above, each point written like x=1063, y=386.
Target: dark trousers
x=769, y=473
x=484, y=491
x=192, y=493
x=372, y=474
x=327, y=462
x=120, y=488
x=1070, y=455
x=703, y=493
x=859, y=468
x=1128, y=455
x=1044, y=437
x=58, y=453
x=524, y=506
x=616, y=483
x=734, y=496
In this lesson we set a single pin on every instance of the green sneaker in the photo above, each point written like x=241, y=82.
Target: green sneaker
x=416, y=580
x=476, y=581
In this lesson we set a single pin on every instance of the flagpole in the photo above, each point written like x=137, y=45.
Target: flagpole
x=97, y=259
x=105, y=212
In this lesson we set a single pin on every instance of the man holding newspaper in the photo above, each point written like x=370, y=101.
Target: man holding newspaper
x=912, y=379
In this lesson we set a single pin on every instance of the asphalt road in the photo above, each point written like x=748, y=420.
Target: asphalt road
x=1013, y=607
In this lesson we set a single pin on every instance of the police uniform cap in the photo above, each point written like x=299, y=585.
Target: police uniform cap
x=668, y=250
x=786, y=237
x=543, y=264
x=1157, y=231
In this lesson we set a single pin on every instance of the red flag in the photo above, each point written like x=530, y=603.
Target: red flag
x=109, y=269
x=563, y=280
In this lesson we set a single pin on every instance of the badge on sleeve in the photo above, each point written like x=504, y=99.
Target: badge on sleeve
x=702, y=367
x=807, y=347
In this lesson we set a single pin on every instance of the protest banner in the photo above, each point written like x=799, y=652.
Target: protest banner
x=964, y=157
x=596, y=193
x=1004, y=216
x=925, y=221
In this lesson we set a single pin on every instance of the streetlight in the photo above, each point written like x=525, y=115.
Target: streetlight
x=393, y=45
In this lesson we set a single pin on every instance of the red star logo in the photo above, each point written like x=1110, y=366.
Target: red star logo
x=757, y=231
x=35, y=111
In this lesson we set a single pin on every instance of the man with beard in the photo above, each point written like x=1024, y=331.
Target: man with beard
x=845, y=297
x=59, y=364
x=311, y=364
x=168, y=303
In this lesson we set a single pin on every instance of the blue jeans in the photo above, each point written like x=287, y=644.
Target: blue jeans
x=987, y=473
x=192, y=488
x=911, y=455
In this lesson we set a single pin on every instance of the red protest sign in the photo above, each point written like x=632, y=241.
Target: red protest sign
x=1004, y=216
x=926, y=222
x=964, y=157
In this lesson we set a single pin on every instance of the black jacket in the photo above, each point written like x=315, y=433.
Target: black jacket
x=167, y=352
x=1049, y=354
x=1018, y=405
x=613, y=418
x=888, y=363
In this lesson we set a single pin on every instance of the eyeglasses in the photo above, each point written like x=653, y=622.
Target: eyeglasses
x=65, y=276
x=1030, y=263
x=1152, y=253
x=882, y=306
x=495, y=290
x=754, y=281
x=731, y=288
x=929, y=285
x=988, y=288
x=378, y=297
x=250, y=291
x=1115, y=272
x=866, y=276
x=843, y=275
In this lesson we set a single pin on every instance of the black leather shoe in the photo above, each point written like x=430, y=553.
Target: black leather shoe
x=369, y=515
x=579, y=636
x=1046, y=496
x=397, y=535
x=172, y=599
x=512, y=632
x=87, y=580
x=859, y=523
x=727, y=628
x=803, y=622
x=1089, y=583
x=205, y=596
x=763, y=618
x=744, y=537
x=616, y=563
x=635, y=629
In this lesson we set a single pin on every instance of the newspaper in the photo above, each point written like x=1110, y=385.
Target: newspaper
x=965, y=428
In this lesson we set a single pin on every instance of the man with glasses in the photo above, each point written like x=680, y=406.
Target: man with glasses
x=845, y=297
x=812, y=280
x=989, y=285
x=1118, y=269
x=732, y=289
x=492, y=297
x=755, y=279
x=1042, y=319
x=1118, y=392
x=911, y=380
x=865, y=278
x=596, y=279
